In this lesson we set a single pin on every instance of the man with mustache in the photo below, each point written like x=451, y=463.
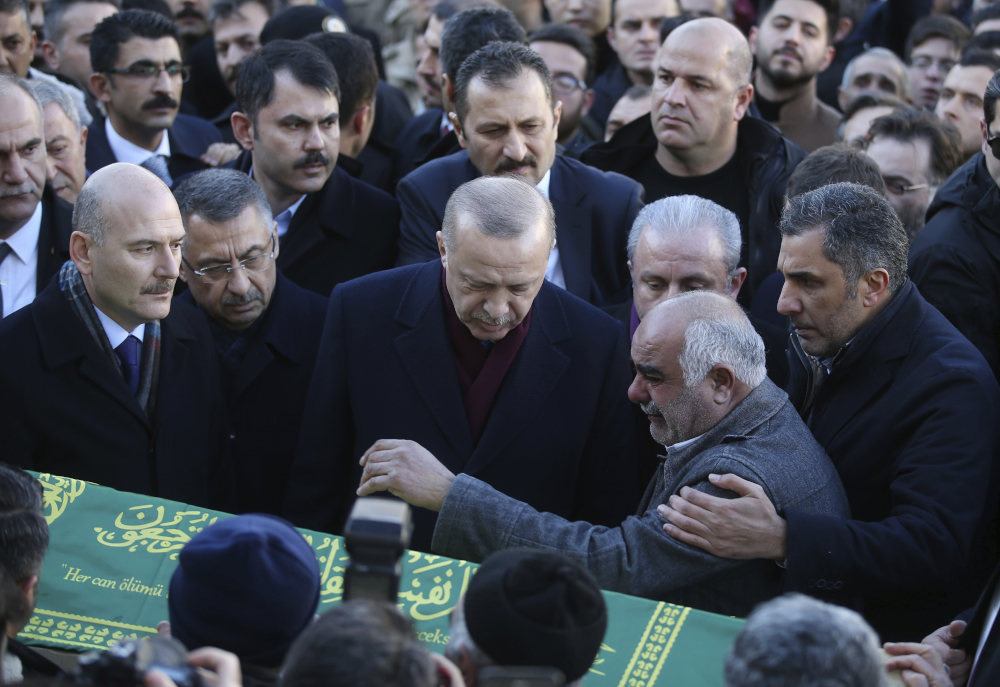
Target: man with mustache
x=507, y=120
x=701, y=381
x=105, y=380
x=904, y=405
x=331, y=226
x=477, y=357
x=266, y=329
x=792, y=43
x=34, y=222
x=138, y=76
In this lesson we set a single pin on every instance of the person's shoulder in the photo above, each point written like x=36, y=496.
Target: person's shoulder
x=454, y=167
x=377, y=285
x=557, y=304
x=608, y=183
x=186, y=124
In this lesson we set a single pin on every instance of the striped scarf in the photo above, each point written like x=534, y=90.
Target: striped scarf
x=74, y=291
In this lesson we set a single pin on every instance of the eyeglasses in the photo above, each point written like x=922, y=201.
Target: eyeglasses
x=898, y=188
x=148, y=70
x=993, y=142
x=565, y=84
x=219, y=273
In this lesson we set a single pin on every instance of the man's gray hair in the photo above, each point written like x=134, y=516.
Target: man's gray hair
x=862, y=231
x=48, y=92
x=885, y=53
x=685, y=216
x=503, y=207
x=9, y=82
x=797, y=641
x=719, y=333
x=219, y=195
x=88, y=214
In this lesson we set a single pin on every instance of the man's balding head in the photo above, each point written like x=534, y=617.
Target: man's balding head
x=701, y=91
x=696, y=358
x=126, y=243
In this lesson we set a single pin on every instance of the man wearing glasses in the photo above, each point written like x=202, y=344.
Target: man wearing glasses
x=955, y=261
x=915, y=152
x=570, y=55
x=138, y=77
x=266, y=329
x=106, y=379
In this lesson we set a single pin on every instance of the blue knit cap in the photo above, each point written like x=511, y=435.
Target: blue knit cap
x=248, y=584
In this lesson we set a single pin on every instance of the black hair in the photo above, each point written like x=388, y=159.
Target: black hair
x=910, y=123
x=831, y=8
x=831, y=164
x=936, y=26
x=307, y=64
x=121, y=27
x=574, y=37
x=354, y=61
x=496, y=64
x=467, y=31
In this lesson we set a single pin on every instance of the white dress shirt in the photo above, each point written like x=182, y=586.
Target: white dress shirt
x=19, y=271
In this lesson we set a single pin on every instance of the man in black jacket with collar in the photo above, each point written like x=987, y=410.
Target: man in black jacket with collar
x=507, y=121
x=265, y=328
x=955, y=260
x=34, y=222
x=698, y=140
x=905, y=407
x=103, y=379
x=331, y=226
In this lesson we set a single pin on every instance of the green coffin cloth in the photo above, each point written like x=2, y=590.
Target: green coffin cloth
x=111, y=555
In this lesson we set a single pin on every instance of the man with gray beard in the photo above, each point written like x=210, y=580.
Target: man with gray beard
x=266, y=329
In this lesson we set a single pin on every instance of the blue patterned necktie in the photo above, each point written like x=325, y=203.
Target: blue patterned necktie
x=128, y=354
x=157, y=164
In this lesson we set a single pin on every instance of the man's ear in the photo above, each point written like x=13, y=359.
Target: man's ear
x=359, y=118
x=83, y=136
x=448, y=86
x=242, y=130
x=80, y=246
x=875, y=287
x=441, y=249
x=588, y=102
x=736, y=281
x=100, y=86
x=459, y=132
x=722, y=383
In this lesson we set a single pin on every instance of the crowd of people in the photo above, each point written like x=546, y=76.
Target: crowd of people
x=699, y=297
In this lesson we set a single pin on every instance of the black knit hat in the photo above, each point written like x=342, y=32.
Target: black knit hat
x=536, y=608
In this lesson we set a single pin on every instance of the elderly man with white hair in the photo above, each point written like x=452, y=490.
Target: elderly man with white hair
x=701, y=380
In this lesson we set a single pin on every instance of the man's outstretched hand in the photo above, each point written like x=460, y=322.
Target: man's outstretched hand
x=405, y=469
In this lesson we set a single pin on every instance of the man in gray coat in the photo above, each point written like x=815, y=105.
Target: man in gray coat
x=701, y=380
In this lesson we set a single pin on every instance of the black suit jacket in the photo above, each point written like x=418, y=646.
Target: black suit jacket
x=189, y=139
x=908, y=416
x=267, y=397
x=594, y=213
x=416, y=140
x=345, y=230
x=66, y=409
x=53, y=238
x=559, y=436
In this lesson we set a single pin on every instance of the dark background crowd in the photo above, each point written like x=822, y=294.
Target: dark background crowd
x=267, y=257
